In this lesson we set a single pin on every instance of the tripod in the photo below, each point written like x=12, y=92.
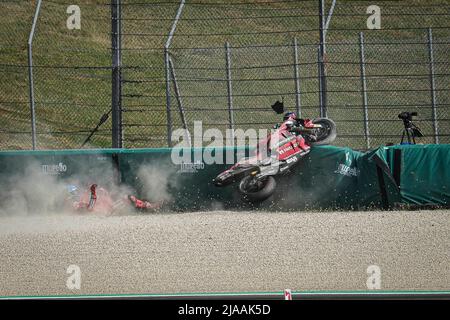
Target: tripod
x=410, y=131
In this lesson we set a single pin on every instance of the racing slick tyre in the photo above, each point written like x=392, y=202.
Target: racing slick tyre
x=327, y=133
x=257, y=190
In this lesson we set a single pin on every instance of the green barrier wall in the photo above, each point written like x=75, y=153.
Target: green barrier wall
x=376, y=187
x=421, y=173
x=188, y=186
x=94, y=164
x=328, y=178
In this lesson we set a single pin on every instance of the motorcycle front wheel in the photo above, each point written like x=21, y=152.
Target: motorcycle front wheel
x=257, y=190
x=326, y=134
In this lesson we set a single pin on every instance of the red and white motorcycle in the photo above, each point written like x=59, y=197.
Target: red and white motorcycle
x=276, y=154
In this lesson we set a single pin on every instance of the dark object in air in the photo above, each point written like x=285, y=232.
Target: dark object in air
x=278, y=107
x=410, y=131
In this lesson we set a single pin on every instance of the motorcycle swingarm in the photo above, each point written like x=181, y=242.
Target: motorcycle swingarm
x=235, y=175
x=264, y=171
x=279, y=167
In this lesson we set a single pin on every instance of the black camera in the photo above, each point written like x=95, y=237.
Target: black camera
x=407, y=116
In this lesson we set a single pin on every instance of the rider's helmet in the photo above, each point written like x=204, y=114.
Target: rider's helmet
x=73, y=191
x=289, y=116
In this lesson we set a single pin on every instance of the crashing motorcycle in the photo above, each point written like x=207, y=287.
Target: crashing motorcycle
x=275, y=155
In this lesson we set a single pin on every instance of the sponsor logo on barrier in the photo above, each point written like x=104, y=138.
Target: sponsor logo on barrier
x=54, y=169
x=191, y=167
x=347, y=170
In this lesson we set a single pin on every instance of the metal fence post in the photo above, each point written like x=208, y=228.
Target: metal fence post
x=433, y=86
x=30, y=75
x=362, y=61
x=319, y=77
x=229, y=88
x=167, y=66
x=322, y=71
x=168, y=107
x=116, y=78
x=180, y=102
x=297, y=80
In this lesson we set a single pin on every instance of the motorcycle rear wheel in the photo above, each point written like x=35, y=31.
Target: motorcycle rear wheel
x=259, y=191
x=327, y=134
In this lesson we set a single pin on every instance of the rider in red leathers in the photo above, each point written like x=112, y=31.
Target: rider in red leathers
x=99, y=200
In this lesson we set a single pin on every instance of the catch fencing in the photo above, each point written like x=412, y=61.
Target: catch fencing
x=225, y=64
x=368, y=84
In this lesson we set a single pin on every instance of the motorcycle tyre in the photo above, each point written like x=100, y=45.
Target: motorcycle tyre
x=260, y=195
x=332, y=131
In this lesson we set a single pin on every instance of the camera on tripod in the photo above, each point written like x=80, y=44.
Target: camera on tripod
x=410, y=131
x=407, y=116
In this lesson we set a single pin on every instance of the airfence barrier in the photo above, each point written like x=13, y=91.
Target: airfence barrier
x=328, y=178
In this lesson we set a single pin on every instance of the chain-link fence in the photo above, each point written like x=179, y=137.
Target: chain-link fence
x=229, y=61
x=397, y=78
x=71, y=73
x=261, y=68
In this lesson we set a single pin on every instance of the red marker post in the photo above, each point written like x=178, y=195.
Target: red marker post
x=287, y=294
